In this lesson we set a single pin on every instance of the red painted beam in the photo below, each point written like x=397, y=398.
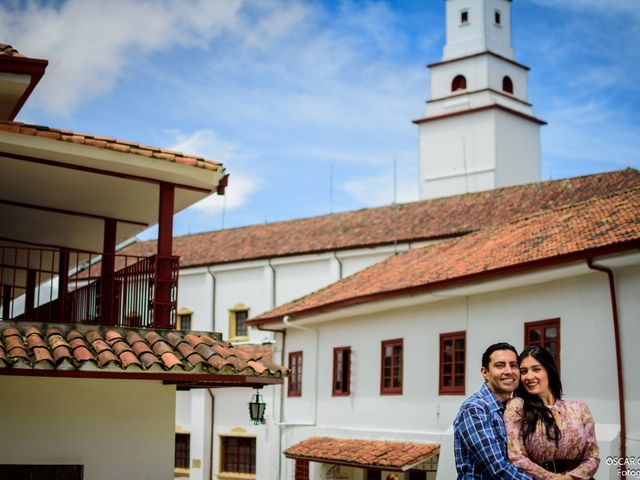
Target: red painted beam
x=107, y=286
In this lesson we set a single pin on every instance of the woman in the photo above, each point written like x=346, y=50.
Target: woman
x=549, y=438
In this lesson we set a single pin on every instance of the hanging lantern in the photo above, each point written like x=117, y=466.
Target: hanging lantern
x=257, y=408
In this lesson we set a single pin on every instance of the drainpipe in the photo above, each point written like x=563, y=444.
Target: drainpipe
x=213, y=404
x=335, y=255
x=616, y=336
x=273, y=283
x=213, y=300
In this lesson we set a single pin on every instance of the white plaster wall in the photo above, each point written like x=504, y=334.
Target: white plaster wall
x=251, y=284
x=183, y=411
x=474, y=70
x=452, y=146
x=294, y=280
x=496, y=71
x=587, y=360
x=194, y=292
x=239, y=286
x=115, y=428
x=517, y=150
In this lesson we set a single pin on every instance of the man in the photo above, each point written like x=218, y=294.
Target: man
x=480, y=438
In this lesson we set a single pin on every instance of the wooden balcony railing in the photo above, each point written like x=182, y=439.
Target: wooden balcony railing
x=47, y=285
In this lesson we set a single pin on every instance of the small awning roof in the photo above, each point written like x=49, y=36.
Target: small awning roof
x=382, y=454
x=187, y=359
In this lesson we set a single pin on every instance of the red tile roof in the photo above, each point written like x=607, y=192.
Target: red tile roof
x=424, y=220
x=596, y=227
x=371, y=453
x=188, y=358
x=108, y=143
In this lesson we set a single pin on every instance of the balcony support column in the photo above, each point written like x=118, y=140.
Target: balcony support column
x=164, y=275
x=63, y=284
x=6, y=302
x=107, y=284
x=30, y=290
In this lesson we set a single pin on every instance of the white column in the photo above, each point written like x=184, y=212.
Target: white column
x=200, y=434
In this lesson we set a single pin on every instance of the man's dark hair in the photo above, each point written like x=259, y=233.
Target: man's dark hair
x=492, y=348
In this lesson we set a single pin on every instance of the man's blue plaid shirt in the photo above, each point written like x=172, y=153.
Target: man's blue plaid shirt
x=480, y=440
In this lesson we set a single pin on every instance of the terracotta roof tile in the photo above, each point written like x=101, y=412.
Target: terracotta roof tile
x=9, y=50
x=128, y=358
x=391, y=455
x=61, y=354
x=67, y=347
x=563, y=234
x=409, y=222
x=106, y=142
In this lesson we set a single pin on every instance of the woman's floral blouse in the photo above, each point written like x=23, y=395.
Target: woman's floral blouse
x=577, y=440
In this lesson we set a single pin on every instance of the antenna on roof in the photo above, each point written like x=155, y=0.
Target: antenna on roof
x=464, y=166
x=224, y=208
x=393, y=205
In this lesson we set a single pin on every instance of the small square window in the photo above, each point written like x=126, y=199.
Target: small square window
x=237, y=316
x=497, y=17
x=184, y=319
x=464, y=17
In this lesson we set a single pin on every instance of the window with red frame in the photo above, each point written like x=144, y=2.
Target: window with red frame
x=239, y=454
x=341, y=370
x=452, y=363
x=545, y=333
x=391, y=368
x=295, y=374
x=302, y=470
x=183, y=441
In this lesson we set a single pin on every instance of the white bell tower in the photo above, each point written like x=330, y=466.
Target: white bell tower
x=479, y=131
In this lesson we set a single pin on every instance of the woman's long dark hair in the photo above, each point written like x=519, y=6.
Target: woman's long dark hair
x=534, y=409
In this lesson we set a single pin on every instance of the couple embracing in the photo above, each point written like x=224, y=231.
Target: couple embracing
x=534, y=435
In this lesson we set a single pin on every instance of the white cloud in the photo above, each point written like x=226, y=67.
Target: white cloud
x=207, y=143
x=236, y=195
x=378, y=189
x=91, y=43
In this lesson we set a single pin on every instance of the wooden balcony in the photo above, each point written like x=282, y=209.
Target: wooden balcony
x=74, y=287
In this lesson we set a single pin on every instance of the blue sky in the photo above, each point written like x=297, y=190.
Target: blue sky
x=309, y=103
